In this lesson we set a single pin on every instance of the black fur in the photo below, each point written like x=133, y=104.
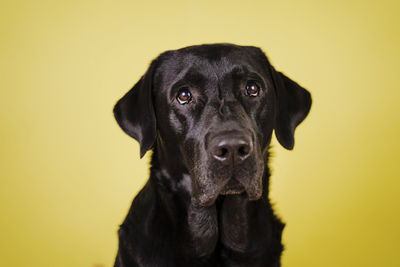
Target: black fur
x=206, y=202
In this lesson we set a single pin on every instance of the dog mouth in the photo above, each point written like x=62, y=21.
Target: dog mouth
x=224, y=181
x=233, y=187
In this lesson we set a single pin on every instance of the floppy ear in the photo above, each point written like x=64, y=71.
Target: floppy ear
x=294, y=103
x=134, y=112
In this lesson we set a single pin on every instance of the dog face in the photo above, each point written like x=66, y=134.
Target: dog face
x=210, y=110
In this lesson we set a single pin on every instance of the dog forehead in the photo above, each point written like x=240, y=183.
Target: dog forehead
x=209, y=61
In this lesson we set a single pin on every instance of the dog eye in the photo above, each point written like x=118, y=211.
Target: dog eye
x=184, y=96
x=252, y=88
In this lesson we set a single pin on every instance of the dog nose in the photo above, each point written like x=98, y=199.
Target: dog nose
x=231, y=149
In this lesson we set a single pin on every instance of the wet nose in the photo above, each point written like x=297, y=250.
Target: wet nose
x=231, y=149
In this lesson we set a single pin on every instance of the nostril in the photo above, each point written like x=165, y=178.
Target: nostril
x=222, y=153
x=243, y=150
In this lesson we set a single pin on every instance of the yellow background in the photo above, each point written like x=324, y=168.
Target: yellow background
x=68, y=173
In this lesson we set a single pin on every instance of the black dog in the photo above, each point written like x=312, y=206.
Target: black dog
x=208, y=113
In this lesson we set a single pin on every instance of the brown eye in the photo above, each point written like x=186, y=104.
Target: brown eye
x=184, y=96
x=252, y=88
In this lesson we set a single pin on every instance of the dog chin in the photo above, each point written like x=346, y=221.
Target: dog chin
x=233, y=187
x=250, y=196
x=231, y=192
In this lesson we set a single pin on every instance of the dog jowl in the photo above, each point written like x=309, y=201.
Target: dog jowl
x=208, y=113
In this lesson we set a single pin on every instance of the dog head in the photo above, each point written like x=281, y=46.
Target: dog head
x=210, y=111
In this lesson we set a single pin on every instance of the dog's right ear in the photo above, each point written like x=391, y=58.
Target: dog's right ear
x=134, y=112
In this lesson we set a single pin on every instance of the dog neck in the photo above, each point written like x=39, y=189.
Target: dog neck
x=233, y=224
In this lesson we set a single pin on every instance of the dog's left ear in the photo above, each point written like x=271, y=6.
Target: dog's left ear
x=294, y=103
x=134, y=112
